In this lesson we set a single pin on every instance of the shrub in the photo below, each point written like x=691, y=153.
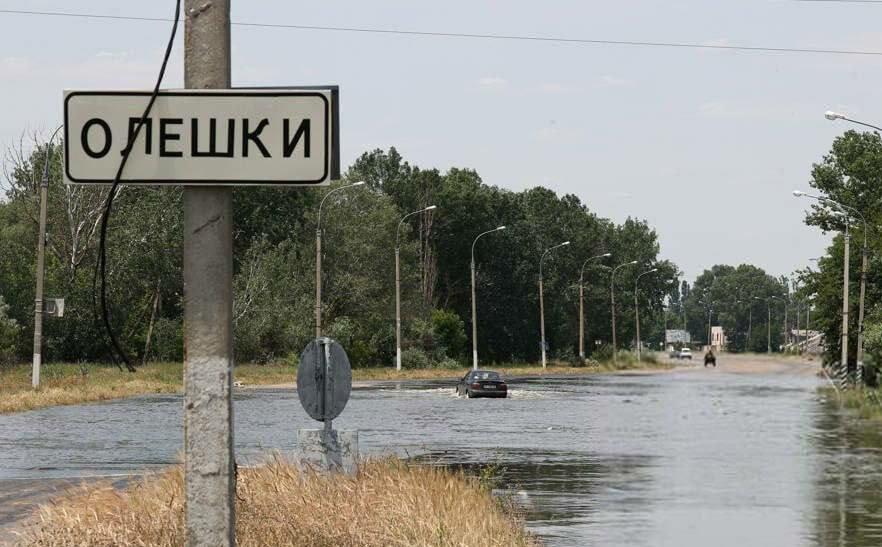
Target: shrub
x=448, y=363
x=449, y=332
x=603, y=353
x=9, y=330
x=168, y=340
x=414, y=358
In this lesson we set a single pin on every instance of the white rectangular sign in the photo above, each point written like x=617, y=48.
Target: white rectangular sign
x=203, y=137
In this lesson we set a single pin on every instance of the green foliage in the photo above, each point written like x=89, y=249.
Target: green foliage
x=414, y=358
x=9, y=331
x=449, y=330
x=274, y=267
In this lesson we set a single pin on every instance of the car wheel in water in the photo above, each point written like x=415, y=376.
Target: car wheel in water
x=469, y=394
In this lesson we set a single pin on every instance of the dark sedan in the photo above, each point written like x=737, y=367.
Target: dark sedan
x=482, y=383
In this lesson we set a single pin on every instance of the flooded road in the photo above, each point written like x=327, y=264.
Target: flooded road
x=690, y=457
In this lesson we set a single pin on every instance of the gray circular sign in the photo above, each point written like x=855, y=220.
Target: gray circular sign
x=324, y=379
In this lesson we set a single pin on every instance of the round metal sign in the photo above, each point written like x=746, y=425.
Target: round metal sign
x=324, y=379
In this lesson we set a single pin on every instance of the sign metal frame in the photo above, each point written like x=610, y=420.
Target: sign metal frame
x=331, y=145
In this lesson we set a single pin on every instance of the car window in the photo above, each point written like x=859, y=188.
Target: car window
x=486, y=376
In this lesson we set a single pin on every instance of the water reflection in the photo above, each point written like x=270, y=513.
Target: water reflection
x=848, y=491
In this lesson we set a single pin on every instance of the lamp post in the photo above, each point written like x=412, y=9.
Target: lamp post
x=474, y=301
x=582, y=303
x=749, y=323
x=637, y=308
x=542, y=299
x=41, y=261
x=398, y=284
x=832, y=116
x=845, y=273
x=318, y=258
x=612, y=299
x=769, y=322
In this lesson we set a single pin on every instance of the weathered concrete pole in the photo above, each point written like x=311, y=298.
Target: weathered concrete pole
x=208, y=306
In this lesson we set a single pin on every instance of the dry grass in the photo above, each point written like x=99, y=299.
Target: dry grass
x=389, y=503
x=67, y=384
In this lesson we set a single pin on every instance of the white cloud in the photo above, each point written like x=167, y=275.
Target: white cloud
x=553, y=88
x=15, y=66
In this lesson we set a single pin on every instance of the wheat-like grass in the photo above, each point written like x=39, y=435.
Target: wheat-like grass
x=389, y=503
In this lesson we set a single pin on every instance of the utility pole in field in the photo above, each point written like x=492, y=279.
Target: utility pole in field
x=208, y=306
x=41, y=256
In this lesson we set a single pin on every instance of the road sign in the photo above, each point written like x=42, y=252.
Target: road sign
x=676, y=336
x=53, y=307
x=204, y=137
x=324, y=379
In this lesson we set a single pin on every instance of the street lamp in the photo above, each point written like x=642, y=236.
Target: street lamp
x=398, y=284
x=41, y=254
x=637, y=308
x=474, y=303
x=833, y=116
x=318, y=258
x=582, y=303
x=769, y=323
x=612, y=299
x=845, y=273
x=542, y=301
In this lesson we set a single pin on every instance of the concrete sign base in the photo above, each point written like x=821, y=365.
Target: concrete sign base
x=328, y=450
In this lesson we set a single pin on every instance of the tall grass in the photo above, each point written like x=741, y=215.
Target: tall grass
x=389, y=503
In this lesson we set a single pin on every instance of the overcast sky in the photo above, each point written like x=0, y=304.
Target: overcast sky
x=705, y=145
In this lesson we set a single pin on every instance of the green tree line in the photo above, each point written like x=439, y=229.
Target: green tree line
x=274, y=264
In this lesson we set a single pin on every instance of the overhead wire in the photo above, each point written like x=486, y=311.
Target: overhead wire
x=468, y=35
x=101, y=265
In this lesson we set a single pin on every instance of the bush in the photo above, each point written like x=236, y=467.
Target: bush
x=168, y=340
x=449, y=332
x=449, y=364
x=414, y=358
x=603, y=353
x=9, y=330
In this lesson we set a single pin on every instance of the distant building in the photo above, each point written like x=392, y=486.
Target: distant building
x=718, y=338
x=676, y=336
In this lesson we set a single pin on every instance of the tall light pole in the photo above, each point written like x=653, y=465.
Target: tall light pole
x=398, y=284
x=832, y=116
x=612, y=299
x=318, y=258
x=845, y=274
x=542, y=299
x=637, y=308
x=769, y=322
x=474, y=301
x=41, y=255
x=582, y=303
x=749, y=323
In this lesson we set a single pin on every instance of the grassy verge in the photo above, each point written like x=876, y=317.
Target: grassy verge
x=388, y=503
x=65, y=384
x=865, y=403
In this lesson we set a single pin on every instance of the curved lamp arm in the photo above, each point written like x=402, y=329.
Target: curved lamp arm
x=318, y=225
x=405, y=217
x=481, y=235
x=541, y=259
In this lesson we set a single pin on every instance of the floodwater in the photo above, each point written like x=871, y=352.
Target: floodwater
x=695, y=457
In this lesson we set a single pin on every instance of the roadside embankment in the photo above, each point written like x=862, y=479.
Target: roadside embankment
x=389, y=502
x=71, y=383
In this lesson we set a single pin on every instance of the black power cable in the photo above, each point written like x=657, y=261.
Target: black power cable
x=101, y=266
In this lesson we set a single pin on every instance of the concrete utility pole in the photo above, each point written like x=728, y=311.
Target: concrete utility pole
x=749, y=325
x=474, y=300
x=397, y=284
x=41, y=255
x=318, y=258
x=845, y=267
x=542, y=300
x=637, y=308
x=208, y=307
x=582, y=303
x=612, y=299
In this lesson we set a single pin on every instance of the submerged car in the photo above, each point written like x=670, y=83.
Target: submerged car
x=482, y=383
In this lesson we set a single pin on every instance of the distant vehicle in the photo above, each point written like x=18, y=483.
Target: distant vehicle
x=482, y=383
x=684, y=353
